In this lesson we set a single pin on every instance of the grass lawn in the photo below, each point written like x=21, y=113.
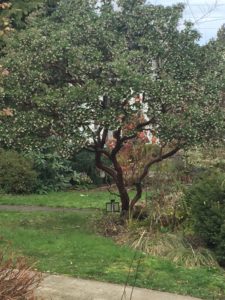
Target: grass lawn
x=65, y=243
x=76, y=199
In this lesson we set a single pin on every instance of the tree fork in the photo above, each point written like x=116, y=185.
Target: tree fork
x=124, y=197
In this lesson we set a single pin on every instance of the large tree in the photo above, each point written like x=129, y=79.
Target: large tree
x=14, y=14
x=74, y=77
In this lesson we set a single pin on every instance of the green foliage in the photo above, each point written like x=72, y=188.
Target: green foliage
x=164, y=192
x=14, y=16
x=81, y=179
x=201, y=159
x=84, y=162
x=16, y=173
x=206, y=200
x=54, y=173
x=220, y=250
x=19, y=10
x=50, y=6
x=14, y=13
x=54, y=88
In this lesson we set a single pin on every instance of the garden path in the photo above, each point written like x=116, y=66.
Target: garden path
x=60, y=287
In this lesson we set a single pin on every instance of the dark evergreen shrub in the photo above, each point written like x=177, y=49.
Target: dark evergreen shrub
x=220, y=251
x=54, y=172
x=206, y=200
x=84, y=162
x=16, y=173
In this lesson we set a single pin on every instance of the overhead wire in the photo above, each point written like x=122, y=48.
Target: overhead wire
x=200, y=14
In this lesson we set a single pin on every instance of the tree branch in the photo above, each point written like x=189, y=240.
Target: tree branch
x=119, y=143
x=96, y=149
x=102, y=167
x=98, y=133
x=156, y=160
x=104, y=137
x=138, y=184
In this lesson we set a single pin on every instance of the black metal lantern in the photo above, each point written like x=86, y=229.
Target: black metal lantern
x=112, y=206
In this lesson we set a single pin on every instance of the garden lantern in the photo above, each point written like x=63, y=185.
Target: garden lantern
x=112, y=206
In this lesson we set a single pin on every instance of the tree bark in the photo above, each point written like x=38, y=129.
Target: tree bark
x=124, y=197
x=117, y=175
x=138, y=194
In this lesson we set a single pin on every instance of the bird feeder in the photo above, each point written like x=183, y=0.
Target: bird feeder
x=112, y=206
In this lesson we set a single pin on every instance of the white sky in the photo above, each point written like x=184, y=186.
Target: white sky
x=208, y=15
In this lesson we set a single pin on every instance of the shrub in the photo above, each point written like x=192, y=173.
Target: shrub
x=167, y=210
x=16, y=173
x=206, y=200
x=220, y=251
x=54, y=172
x=80, y=179
x=17, y=280
x=84, y=162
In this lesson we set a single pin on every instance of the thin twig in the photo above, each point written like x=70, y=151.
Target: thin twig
x=137, y=269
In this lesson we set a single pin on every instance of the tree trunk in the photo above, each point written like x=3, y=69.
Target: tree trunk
x=138, y=194
x=124, y=197
x=117, y=175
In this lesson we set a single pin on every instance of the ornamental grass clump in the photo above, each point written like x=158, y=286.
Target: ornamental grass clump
x=175, y=248
x=17, y=279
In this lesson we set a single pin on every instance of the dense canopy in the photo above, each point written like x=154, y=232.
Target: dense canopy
x=64, y=64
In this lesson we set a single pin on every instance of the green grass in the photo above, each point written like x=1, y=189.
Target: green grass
x=70, y=199
x=76, y=199
x=65, y=243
